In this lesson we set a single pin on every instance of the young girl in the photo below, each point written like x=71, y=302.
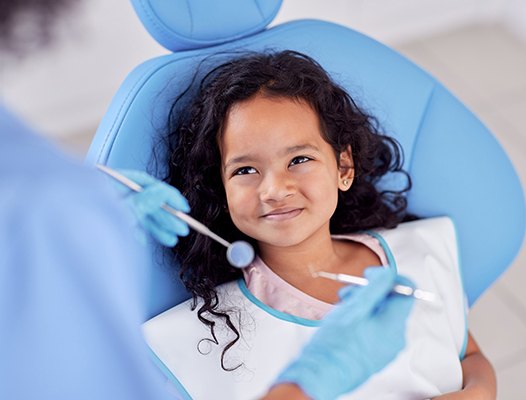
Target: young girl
x=272, y=151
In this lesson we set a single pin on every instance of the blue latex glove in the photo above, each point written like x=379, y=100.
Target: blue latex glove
x=359, y=337
x=146, y=206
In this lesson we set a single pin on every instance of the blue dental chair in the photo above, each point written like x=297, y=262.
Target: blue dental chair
x=457, y=166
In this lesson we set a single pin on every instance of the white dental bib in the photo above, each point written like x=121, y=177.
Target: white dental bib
x=423, y=250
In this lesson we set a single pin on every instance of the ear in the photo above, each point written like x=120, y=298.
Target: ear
x=346, y=170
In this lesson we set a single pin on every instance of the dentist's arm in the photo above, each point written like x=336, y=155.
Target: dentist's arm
x=350, y=345
x=71, y=285
x=146, y=206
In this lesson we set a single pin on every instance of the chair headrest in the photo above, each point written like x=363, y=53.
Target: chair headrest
x=184, y=25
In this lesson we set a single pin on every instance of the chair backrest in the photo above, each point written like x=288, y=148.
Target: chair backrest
x=457, y=166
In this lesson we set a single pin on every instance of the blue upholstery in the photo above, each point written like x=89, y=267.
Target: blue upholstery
x=458, y=167
x=182, y=24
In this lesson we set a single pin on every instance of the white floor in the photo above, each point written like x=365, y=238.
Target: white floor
x=485, y=66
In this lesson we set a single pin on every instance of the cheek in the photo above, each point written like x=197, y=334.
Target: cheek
x=241, y=208
x=322, y=189
x=239, y=201
x=323, y=181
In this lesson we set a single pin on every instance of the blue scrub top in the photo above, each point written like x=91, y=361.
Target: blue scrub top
x=71, y=280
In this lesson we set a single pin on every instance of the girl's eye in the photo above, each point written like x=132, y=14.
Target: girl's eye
x=300, y=160
x=245, y=171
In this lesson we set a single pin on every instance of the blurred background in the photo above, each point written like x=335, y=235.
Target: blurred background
x=477, y=48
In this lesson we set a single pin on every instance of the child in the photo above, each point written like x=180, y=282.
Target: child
x=272, y=151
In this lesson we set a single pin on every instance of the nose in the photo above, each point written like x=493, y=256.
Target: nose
x=276, y=187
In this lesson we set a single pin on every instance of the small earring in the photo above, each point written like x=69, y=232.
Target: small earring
x=345, y=182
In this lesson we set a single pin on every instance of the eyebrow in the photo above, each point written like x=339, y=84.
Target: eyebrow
x=289, y=150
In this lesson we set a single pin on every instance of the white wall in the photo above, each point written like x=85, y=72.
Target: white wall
x=394, y=21
x=66, y=89
x=515, y=16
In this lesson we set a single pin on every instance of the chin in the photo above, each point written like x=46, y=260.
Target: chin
x=282, y=241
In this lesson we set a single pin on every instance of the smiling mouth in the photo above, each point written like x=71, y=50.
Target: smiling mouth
x=282, y=215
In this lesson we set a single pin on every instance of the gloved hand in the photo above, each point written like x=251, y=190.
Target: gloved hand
x=359, y=337
x=146, y=207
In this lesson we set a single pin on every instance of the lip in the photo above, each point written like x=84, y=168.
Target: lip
x=282, y=214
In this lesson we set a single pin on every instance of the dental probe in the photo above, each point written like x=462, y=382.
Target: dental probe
x=356, y=280
x=239, y=253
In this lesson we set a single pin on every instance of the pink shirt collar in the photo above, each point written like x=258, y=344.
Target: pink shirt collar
x=277, y=293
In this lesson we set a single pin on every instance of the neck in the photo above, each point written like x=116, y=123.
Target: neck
x=296, y=262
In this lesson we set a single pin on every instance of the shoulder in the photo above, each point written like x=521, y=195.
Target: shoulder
x=436, y=224
x=72, y=205
x=436, y=228
x=172, y=320
x=43, y=186
x=57, y=206
x=32, y=167
x=182, y=322
x=187, y=309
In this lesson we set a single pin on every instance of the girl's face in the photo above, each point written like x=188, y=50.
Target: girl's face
x=281, y=177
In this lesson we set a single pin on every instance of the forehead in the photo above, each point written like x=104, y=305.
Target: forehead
x=270, y=121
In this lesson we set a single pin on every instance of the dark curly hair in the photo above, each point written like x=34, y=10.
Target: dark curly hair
x=29, y=24
x=194, y=165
